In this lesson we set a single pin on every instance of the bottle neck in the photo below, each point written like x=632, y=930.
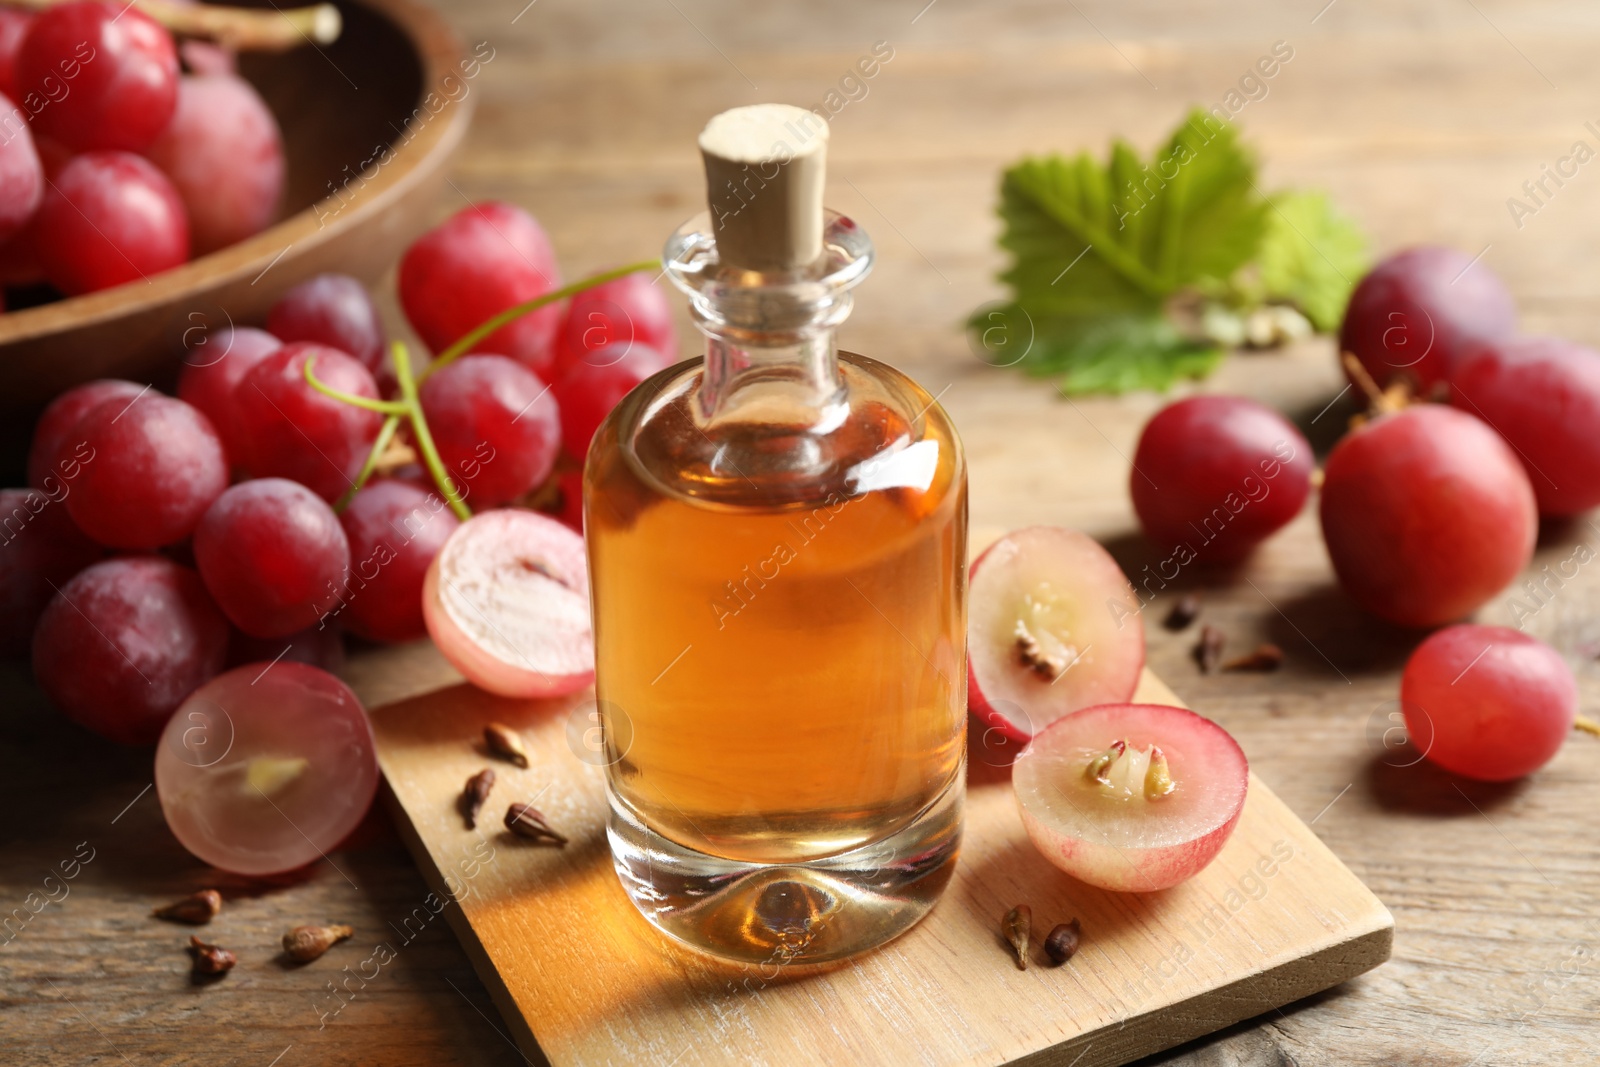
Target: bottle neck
x=772, y=373
x=770, y=354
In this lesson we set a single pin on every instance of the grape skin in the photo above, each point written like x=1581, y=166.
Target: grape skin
x=224, y=154
x=273, y=556
x=125, y=642
x=40, y=551
x=587, y=393
x=625, y=310
x=1488, y=702
x=212, y=369
x=1542, y=394
x=289, y=430
x=1426, y=514
x=109, y=218
x=155, y=465
x=21, y=173
x=1416, y=313
x=479, y=262
x=333, y=310
x=1219, y=474
x=50, y=459
x=104, y=75
x=497, y=427
x=395, y=530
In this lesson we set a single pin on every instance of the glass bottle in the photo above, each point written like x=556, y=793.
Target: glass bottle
x=777, y=545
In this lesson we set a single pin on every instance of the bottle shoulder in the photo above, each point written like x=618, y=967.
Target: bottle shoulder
x=884, y=433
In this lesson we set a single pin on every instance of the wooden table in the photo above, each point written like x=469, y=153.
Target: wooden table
x=1420, y=118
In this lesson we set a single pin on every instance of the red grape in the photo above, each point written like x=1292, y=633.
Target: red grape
x=321, y=646
x=224, y=155
x=1487, y=702
x=56, y=452
x=1216, y=475
x=105, y=75
x=212, y=369
x=587, y=393
x=333, y=310
x=622, y=311
x=1418, y=311
x=496, y=425
x=40, y=550
x=125, y=642
x=13, y=27
x=290, y=430
x=155, y=467
x=21, y=173
x=395, y=530
x=273, y=556
x=1427, y=514
x=109, y=218
x=477, y=263
x=1543, y=395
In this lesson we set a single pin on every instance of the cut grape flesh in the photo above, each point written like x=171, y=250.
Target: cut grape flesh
x=266, y=768
x=507, y=602
x=1054, y=627
x=1131, y=797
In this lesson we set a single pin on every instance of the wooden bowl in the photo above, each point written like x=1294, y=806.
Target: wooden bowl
x=368, y=124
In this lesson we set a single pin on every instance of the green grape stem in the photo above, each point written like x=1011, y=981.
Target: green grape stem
x=409, y=406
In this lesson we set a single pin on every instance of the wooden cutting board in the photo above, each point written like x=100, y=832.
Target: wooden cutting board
x=581, y=978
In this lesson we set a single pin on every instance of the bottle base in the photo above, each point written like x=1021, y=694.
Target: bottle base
x=790, y=914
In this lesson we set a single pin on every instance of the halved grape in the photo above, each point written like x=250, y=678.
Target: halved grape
x=1488, y=702
x=1053, y=627
x=266, y=768
x=507, y=602
x=1426, y=514
x=125, y=642
x=154, y=467
x=1131, y=797
x=1216, y=475
x=496, y=425
x=273, y=555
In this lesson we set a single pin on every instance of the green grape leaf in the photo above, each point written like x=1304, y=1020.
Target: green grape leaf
x=1311, y=256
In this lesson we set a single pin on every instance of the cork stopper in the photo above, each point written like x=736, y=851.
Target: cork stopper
x=765, y=166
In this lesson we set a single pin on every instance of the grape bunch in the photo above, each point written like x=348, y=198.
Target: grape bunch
x=257, y=515
x=115, y=162
x=304, y=483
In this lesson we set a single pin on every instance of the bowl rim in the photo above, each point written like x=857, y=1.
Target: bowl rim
x=439, y=52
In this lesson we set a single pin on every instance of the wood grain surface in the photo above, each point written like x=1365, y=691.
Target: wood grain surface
x=1421, y=117
x=581, y=978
